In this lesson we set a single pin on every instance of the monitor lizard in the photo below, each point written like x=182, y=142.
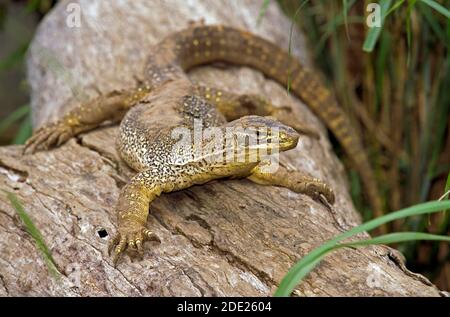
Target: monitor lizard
x=166, y=99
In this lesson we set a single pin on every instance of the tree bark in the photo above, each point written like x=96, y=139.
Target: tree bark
x=226, y=238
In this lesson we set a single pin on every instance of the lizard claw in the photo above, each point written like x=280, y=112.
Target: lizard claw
x=130, y=239
x=51, y=135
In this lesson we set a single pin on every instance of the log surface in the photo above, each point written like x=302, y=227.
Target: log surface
x=226, y=238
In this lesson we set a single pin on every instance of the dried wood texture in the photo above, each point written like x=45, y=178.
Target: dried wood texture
x=226, y=238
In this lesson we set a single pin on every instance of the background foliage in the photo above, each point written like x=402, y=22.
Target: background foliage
x=394, y=83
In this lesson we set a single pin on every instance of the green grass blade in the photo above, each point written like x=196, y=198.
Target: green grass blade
x=426, y=12
x=25, y=131
x=447, y=188
x=446, y=219
x=381, y=62
x=446, y=195
x=33, y=5
x=291, y=31
x=262, y=11
x=35, y=234
x=41, y=6
x=397, y=237
x=332, y=26
x=15, y=116
x=14, y=58
x=374, y=32
x=409, y=11
x=384, y=239
x=395, y=7
x=345, y=14
x=297, y=272
x=436, y=6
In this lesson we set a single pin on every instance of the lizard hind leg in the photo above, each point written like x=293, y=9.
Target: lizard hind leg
x=295, y=181
x=234, y=106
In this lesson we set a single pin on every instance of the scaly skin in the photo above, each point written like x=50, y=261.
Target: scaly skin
x=167, y=100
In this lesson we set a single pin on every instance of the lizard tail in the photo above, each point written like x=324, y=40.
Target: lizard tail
x=206, y=44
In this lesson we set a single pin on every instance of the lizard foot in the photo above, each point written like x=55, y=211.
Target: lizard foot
x=316, y=189
x=130, y=237
x=51, y=135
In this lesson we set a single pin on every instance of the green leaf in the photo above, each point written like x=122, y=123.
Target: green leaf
x=426, y=12
x=436, y=6
x=446, y=219
x=396, y=237
x=374, y=32
x=409, y=11
x=308, y=262
x=345, y=14
x=331, y=27
x=446, y=191
x=395, y=6
x=33, y=5
x=35, y=234
x=291, y=31
x=25, y=131
x=15, y=116
x=262, y=11
x=447, y=188
x=384, y=239
x=14, y=58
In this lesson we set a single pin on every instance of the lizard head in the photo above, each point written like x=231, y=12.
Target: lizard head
x=243, y=143
x=256, y=133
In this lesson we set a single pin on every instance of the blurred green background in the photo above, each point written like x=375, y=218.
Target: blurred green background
x=395, y=86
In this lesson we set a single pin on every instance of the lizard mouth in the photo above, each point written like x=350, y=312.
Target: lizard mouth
x=275, y=139
x=269, y=135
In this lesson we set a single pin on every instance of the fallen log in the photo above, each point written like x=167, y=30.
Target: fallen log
x=226, y=238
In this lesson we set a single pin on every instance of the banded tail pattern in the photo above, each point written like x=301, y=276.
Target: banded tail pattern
x=206, y=44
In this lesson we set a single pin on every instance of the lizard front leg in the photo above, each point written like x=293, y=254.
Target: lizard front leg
x=132, y=212
x=234, y=106
x=136, y=197
x=293, y=180
x=85, y=117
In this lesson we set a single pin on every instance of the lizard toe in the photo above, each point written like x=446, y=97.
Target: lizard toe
x=139, y=247
x=130, y=241
x=47, y=137
x=150, y=236
x=316, y=189
x=119, y=248
x=36, y=140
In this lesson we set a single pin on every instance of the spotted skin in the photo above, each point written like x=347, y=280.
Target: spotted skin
x=166, y=100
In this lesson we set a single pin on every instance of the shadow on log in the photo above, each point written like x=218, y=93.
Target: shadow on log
x=226, y=238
